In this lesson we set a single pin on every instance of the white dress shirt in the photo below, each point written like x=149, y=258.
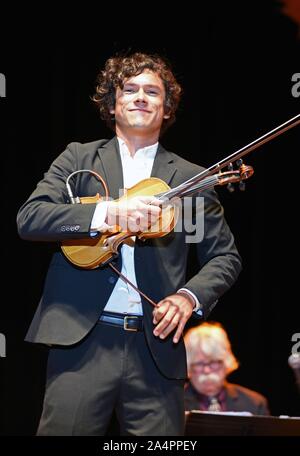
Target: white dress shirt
x=124, y=298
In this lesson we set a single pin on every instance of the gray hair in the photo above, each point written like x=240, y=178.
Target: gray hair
x=212, y=340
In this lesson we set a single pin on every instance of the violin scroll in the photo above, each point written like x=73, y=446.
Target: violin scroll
x=237, y=175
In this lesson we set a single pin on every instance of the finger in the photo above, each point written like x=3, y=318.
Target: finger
x=150, y=200
x=154, y=217
x=180, y=329
x=170, y=328
x=160, y=310
x=132, y=225
x=149, y=210
x=159, y=313
x=146, y=220
x=150, y=205
x=155, y=201
x=165, y=322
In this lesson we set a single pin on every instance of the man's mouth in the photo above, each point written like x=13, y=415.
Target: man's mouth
x=140, y=110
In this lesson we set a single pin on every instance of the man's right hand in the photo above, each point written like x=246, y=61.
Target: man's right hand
x=133, y=214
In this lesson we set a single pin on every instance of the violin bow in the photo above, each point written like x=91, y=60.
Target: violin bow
x=233, y=157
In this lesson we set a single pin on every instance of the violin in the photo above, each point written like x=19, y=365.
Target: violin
x=90, y=253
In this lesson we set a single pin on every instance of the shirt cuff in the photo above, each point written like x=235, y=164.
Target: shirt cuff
x=197, y=308
x=98, y=220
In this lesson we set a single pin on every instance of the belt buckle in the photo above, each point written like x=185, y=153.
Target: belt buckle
x=125, y=325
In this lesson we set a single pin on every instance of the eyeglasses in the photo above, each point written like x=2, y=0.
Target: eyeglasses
x=213, y=365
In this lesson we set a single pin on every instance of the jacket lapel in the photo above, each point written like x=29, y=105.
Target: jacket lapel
x=163, y=166
x=112, y=167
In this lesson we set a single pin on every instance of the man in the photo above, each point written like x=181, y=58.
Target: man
x=95, y=364
x=210, y=361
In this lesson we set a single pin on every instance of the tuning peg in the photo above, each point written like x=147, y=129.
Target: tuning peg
x=230, y=187
x=239, y=162
x=242, y=186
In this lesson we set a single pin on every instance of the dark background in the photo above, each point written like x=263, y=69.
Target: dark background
x=235, y=64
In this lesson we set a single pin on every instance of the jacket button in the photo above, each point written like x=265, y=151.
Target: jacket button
x=111, y=279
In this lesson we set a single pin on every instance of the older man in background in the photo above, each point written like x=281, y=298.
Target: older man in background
x=210, y=360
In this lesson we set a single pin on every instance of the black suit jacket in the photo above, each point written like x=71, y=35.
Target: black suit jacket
x=237, y=399
x=73, y=298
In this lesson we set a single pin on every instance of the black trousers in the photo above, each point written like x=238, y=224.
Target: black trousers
x=111, y=369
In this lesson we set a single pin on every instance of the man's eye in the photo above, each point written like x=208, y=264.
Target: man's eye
x=128, y=90
x=152, y=92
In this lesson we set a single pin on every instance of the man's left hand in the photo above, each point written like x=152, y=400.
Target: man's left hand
x=171, y=312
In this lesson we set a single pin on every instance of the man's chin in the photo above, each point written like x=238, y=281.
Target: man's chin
x=208, y=390
x=139, y=126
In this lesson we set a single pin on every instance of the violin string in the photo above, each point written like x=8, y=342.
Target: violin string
x=181, y=190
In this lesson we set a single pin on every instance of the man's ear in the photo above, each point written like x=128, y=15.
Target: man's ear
x=112, y=111
x=167, y=116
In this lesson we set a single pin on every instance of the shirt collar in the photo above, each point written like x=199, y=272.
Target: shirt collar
x=144, y=152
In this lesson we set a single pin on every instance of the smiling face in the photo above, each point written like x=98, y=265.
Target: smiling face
x=139, y=108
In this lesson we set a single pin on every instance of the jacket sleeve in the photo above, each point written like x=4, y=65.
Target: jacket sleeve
x=219, y=260
x=47, y=215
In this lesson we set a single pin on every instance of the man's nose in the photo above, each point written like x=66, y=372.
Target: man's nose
x=206, y=368
x=141, y=96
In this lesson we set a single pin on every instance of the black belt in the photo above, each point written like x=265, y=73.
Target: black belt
x=127, y=322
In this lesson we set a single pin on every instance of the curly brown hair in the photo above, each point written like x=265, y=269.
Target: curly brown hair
x=119, y=68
